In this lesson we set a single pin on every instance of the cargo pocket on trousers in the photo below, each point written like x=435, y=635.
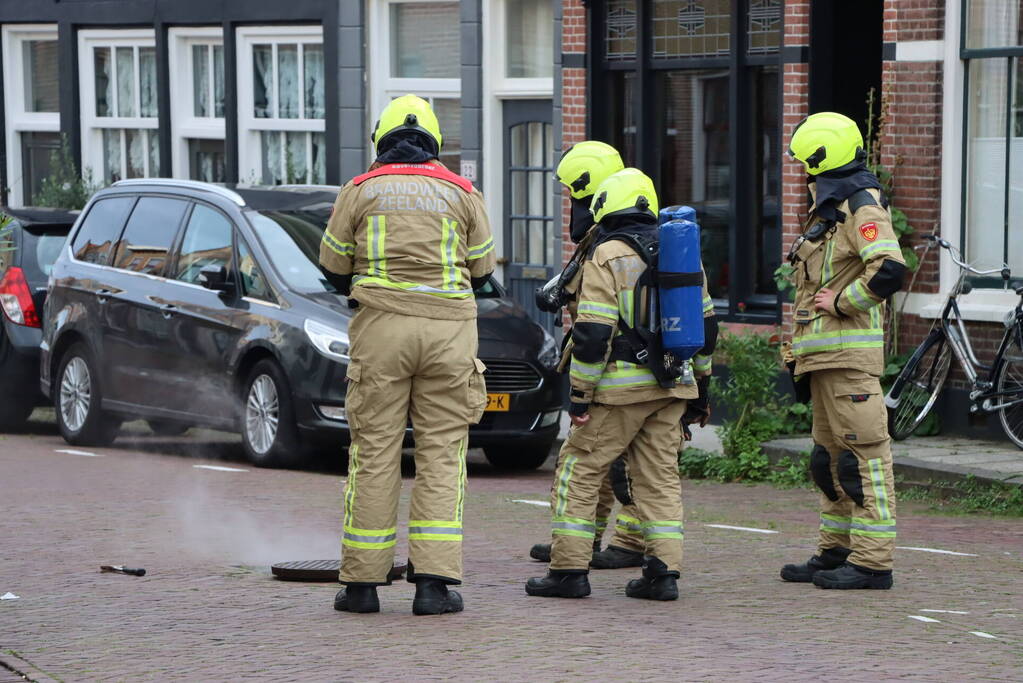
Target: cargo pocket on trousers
x=860, y=417
x=477, y=391
x=353, y=391
x=585, y=438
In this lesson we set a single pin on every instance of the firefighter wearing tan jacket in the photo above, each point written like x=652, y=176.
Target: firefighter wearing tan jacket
x=847, y=262
x=618, y=407
x=409, y=240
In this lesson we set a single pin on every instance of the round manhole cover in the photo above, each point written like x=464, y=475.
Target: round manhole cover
x=319, y=570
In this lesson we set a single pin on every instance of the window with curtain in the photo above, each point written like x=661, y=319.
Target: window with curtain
x=993, y=164
x=530, y=39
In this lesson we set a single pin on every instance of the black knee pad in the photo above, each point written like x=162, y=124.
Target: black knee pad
x=849, y=476
x=820, y=471
x=620, y=482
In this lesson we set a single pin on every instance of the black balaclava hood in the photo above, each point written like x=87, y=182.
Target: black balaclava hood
x=834, y=187
x=581, y=220
x=407, y=147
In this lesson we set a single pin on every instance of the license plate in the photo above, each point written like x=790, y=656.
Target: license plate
x=498, y=402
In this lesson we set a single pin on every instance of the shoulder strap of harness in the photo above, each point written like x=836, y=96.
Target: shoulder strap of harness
x=429, y=170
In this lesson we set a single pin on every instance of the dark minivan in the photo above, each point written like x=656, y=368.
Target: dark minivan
x=186, y=303
x=30, y=241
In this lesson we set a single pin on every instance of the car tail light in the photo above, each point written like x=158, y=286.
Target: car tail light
x=16, y=298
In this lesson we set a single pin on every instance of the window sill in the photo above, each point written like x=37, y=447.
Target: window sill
x=980, y=305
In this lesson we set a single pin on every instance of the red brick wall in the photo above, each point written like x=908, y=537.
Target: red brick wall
x=573, y=95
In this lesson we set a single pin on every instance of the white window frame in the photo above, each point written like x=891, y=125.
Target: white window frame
x=93, y=125
x=18, y=119
x=185, y=125
x=250, y=153
x=382, y=86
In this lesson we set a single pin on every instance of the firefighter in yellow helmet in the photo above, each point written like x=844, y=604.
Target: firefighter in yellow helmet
x=408, y=241
x=847, y=262
x=619, y=404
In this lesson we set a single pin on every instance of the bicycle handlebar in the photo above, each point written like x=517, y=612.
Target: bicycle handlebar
x=953, y=254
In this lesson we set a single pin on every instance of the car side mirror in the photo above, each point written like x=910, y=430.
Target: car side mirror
x=214, y=277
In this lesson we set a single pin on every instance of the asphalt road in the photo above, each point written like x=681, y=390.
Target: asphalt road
x=208, y=608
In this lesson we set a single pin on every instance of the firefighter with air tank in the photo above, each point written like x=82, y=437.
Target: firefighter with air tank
x=409, y=241
x=847, y=262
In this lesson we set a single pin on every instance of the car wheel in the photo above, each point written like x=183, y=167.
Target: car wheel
x=77, y=399
x=269, y=432
x=528, y=457
x=167, y=427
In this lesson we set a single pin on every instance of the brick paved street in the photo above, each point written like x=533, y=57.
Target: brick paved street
x=209, y=610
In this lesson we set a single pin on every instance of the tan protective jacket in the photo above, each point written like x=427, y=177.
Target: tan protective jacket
x=411, y=241
x=605, y=292
x=844, y=259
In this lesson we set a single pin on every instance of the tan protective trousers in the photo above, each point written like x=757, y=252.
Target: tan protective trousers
x=404, y=367
x=628, y=533
x=651, y=433
x=852, y=465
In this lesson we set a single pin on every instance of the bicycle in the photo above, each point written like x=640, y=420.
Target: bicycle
x=914, y=392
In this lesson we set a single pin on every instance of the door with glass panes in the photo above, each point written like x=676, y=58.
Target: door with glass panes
x=534, y=241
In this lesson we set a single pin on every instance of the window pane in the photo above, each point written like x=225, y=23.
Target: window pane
x=270, y=144
x=254, y=282
x=985, y=202
x=449, y=116
x=95, y=240
x=218, y=81
x=518, y=143
x=1015, y=259
x=200, y=80
x=295, y=159
x=620, y=30
x=154, y=153
x=287, y=81
x=763, y=155
x=125, y=81
x=425, y=41
x=994, y=23
x=694, y=160
x=262, y=80
x=207, y=242
x=530, y=39
x=137, y=152
x=763, y=26
x=319, y=167
x=147, y=87
x=536, y=144
x=621, y=116
x=206, y=161
x=41, y=82
x=312, y=56
x=104, y=81
x=112, y=170
x=683, y=28
x=36, y=152
x=149, y=234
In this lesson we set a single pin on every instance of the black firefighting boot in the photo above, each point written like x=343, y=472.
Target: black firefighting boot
x=832, y=558
x=559, y=584
x=853, y=576
x=542, y=551
x=433, y=597
x=657, y=583
x=360, y=599
x=616, y=558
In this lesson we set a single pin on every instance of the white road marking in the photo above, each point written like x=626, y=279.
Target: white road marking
x=926, y=619
x=9, y=596
x=944, y=611
x=742, y=528
x=218, y=468
x=541, y=503
x=981, y=634
x=71, y=451
x=935, y=550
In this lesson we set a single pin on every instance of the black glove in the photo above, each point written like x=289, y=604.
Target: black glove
x=801, y=386
x=578, y=409
x=698, y=409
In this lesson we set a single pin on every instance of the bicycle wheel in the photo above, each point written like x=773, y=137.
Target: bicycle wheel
x=918, y=385
x=1010, y=380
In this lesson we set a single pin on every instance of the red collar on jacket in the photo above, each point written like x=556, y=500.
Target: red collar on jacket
x=427, y=169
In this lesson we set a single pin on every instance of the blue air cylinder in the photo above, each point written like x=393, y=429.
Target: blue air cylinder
x=676, y=213
x=681, y=288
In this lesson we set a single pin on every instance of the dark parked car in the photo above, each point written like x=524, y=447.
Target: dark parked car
x=29, y=245
x=193, y=304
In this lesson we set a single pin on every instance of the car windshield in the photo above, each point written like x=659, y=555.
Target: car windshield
x=292, y=239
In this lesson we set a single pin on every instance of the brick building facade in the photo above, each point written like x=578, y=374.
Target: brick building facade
x=918, y=55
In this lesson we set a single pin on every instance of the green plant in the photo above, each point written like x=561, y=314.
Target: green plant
x=65, y=188
x=968, y=496
x=783, y=280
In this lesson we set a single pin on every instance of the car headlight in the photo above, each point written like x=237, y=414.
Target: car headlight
x=548, y=351
x=330, y=341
